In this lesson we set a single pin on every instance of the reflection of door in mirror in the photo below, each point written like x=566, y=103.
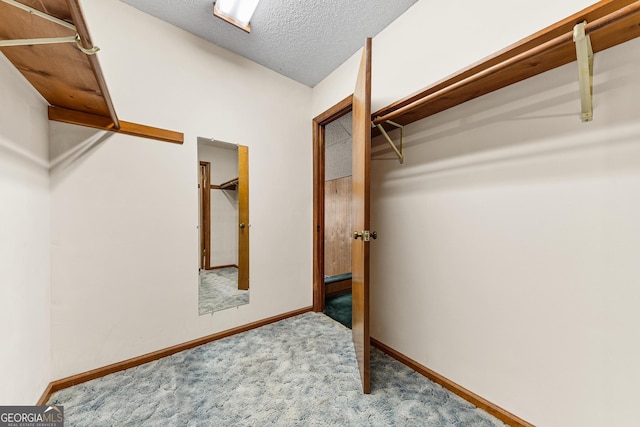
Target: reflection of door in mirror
x=205, y=171
x=224, y=225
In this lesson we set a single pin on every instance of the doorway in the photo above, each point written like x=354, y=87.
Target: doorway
x=322, y=170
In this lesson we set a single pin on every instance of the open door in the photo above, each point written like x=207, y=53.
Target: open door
x=361, y=159
x=243, y=217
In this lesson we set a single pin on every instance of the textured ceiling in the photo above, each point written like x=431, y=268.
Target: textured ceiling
x=338, y=130
x=302, y=39
x=338, y=148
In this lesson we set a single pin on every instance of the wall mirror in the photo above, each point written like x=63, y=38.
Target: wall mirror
x=223, y=196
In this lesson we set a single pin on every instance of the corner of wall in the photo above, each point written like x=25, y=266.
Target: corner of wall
x=25, y=272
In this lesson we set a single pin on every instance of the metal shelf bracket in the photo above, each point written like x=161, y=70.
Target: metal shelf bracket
x=48, y=40
x=399, y=151
x=584, y=53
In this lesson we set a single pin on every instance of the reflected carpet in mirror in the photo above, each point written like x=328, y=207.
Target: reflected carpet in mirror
x=219, y=290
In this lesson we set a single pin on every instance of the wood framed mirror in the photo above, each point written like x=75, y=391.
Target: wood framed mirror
x=223, y=198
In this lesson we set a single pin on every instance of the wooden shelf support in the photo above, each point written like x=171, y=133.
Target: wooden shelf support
x=79, y=118
x=584, y=53
x=48, y=41
x=399, y=151
x=232, y=184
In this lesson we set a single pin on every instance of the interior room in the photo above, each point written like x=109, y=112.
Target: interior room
x=337, y=220
x=492, y=239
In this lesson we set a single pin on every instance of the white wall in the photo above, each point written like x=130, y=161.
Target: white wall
x=432, y=40
x=224, y=204
x=124, y=211
x=507, y=257
x=25, y=291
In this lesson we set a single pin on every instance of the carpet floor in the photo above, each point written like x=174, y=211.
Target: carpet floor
x=339, y=308
x=298, y=372
x=219, y=290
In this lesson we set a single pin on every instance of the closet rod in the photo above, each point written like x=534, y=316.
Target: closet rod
x=612, y=18
x=555, y=43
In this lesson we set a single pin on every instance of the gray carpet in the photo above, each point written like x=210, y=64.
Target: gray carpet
x=297, y=372
x=219, y=290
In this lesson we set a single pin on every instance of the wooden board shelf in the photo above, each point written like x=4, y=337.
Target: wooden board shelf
x=232, y=184
x=104, y=123
x=70, y=80
x=60, y=72
x=609, y=23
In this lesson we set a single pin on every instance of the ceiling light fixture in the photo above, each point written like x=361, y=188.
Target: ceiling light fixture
x=236, y=12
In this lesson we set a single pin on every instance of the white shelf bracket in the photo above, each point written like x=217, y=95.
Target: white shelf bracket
x=399, y=151
x=48, y=40
x=584, y=53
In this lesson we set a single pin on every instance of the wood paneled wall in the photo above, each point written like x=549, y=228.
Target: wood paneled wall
x=337, y=226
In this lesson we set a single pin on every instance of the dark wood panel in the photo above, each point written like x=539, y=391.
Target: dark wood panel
x=336, y=288
x=338, y=234
x=361, y=158
x=502, y=414
x=150, y=357
x=545, y=50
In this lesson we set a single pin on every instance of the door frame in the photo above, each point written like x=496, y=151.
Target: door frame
x=319, y=123
x=205, y=214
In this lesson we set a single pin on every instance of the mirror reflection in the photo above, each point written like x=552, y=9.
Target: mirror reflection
x=223, y=198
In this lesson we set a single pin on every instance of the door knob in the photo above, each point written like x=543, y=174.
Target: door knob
x=242, y=225
x=365, y=235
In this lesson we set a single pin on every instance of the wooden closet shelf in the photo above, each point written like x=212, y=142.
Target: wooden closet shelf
x=69, y=79
x=609, y=23
x=232, y=184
